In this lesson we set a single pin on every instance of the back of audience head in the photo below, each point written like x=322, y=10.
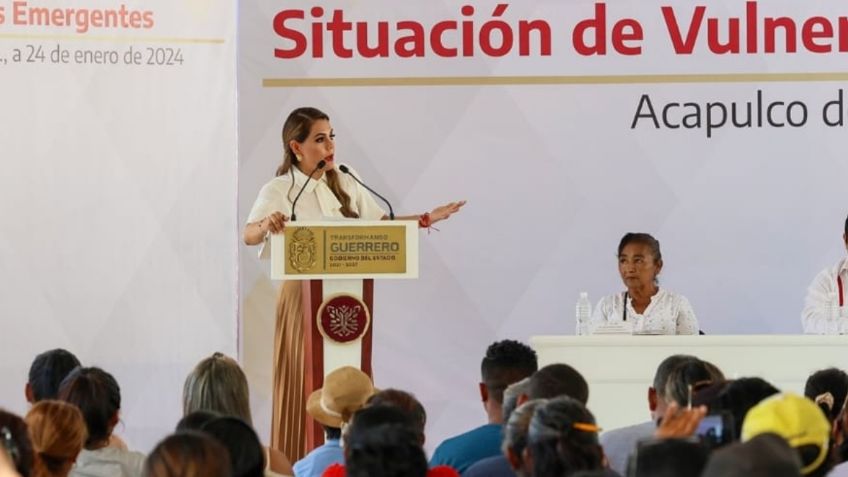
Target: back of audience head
x=668, y=458
x=800, y=422
x=686, y=377
x=58, y=433
x=247, y=456
x=404, y=401
x=512, y=394
x=766, y=455
x=562, y=438
x=15, y=439
x=194, y=421
x=385, y=450
x=515, y=434
x=188, y=454
x=505, y=362
x=735, y=397
x=828, y=388
x=556, y=380
x=217, y=384
x=98, y=396
x=46, y=373
x=373, y=416
x=657, y=399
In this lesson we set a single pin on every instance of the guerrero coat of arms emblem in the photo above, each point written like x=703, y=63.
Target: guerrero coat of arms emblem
x=302, y=250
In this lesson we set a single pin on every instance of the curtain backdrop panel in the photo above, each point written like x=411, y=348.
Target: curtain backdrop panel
x=118, y=235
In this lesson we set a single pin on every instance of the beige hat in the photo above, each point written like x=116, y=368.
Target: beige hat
x=345, y=391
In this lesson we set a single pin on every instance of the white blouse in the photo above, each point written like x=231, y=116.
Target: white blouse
x=668, y=313
x=108, y=462
x=317, y=201
x=822, y=302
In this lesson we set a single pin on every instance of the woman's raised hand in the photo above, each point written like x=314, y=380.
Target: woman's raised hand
x=444, y=211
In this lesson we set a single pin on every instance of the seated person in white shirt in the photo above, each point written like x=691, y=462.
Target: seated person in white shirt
x=827, y=298
x=649, y=308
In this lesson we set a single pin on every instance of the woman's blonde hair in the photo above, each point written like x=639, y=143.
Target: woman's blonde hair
x=296, y=128
x=58, y=433
x=217, y=384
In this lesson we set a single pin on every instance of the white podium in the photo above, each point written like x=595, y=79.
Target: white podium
x=619, y=369
x=337, y=262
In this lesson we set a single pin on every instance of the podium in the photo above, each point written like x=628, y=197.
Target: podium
x=337, y=262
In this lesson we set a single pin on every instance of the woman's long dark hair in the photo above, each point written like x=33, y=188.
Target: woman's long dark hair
x=296, y=128
x=562, y=439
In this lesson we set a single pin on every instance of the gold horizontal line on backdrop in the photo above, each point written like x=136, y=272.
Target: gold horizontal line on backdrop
x=116, y=39
x=552, y=80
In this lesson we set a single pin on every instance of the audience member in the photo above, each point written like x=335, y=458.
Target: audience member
x=188, y=454
x=515, y=437
x=828, y=388
x=194, y=421
x=7, y=468
x=96, y=393
x=555, y=380
x=562, y=439
x=499, y=466
x=387, y=450
x=15, y=439
x=219, y=385
x=668, y=458
x=766, y=455
x=47, y=372
x=687, y=377
x=405, y=402
x=619, y=443
x=247, y=456
x=371, y=417
x=505, y=363
x=736, y=397
x=58, y=433
x=800, y=422
x=345, y=391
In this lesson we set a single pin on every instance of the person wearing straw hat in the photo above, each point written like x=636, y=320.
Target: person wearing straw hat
x=345, y=391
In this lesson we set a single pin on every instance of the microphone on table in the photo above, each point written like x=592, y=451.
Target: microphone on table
x=345, y=170
x=318, y=167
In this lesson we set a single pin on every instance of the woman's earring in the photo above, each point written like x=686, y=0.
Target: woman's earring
x=298, y=157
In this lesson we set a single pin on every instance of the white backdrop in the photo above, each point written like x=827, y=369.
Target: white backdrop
x=554, y=175
x=118, y=231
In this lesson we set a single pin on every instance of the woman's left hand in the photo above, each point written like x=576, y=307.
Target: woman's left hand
x=445, y=211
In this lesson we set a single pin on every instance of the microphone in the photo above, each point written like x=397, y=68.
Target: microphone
x=344, y=169
x=318, y=167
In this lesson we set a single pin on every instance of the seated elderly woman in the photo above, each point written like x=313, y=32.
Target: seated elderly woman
x=651, y=310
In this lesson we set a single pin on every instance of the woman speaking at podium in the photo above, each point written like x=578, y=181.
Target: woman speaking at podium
x=326, y=190
x=651, y=310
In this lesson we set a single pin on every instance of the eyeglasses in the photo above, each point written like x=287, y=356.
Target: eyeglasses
x=10, y=445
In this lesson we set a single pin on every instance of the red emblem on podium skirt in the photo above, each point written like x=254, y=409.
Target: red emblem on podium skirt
x=343, y=318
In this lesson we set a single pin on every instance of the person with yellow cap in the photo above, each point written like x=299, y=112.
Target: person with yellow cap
x=800, y=422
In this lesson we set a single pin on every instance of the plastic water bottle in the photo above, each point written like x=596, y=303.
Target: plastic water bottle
x=583, y=314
